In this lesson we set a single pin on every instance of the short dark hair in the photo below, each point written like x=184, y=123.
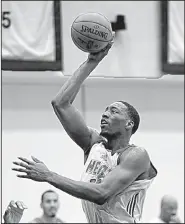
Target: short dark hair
x=133, y=114
x=45, y=192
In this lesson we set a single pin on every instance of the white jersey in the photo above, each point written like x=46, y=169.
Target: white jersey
x=125, y=207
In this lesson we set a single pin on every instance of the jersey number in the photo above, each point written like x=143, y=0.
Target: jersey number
x=6, y=22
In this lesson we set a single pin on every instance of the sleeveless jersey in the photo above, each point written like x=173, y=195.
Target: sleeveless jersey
x=125, y=207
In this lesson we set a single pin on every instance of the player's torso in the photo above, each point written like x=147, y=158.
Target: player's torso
x=98, y=164
x=125, y=207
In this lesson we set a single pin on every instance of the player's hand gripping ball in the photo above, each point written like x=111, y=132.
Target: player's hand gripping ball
x=97, y=57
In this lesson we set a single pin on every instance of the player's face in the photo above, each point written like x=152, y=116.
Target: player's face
x=114, y=120
x=50, y=204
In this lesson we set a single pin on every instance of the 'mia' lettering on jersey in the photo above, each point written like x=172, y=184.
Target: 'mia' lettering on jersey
x=86, y=29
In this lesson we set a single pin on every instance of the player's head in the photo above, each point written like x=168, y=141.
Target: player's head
x=119, y=117
x=168, y=208
x=50, y=203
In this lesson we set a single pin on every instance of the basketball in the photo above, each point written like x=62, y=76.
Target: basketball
x=91, y=32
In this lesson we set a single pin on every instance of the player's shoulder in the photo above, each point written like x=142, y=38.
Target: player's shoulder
x=138, y=152
x=135, y=155
x=140, y=156
x=95, y=136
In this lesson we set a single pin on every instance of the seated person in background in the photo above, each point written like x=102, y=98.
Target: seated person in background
x=49, y=204
x=168, y=212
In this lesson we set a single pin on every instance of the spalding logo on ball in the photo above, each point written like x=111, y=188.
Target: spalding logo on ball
x=91, y=32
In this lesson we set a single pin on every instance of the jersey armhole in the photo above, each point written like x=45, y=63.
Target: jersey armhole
x=95, y=138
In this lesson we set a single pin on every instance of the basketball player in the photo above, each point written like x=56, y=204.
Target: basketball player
x=116, y=174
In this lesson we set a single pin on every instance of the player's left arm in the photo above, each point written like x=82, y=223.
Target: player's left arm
x=129, y=168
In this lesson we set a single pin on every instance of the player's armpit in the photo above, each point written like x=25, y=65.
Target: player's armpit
x=76, y=127
x=129, y=168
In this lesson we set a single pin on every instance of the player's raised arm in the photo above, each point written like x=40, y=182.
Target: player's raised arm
x=68, y=115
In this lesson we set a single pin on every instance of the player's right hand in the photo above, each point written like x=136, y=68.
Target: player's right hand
x=97, y=57
x=14, y=212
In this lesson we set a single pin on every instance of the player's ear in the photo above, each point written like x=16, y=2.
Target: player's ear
x=129, y=124
x=41, y=205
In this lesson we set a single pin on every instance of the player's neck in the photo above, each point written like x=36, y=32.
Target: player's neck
x=114, y=144
x=49, y=219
